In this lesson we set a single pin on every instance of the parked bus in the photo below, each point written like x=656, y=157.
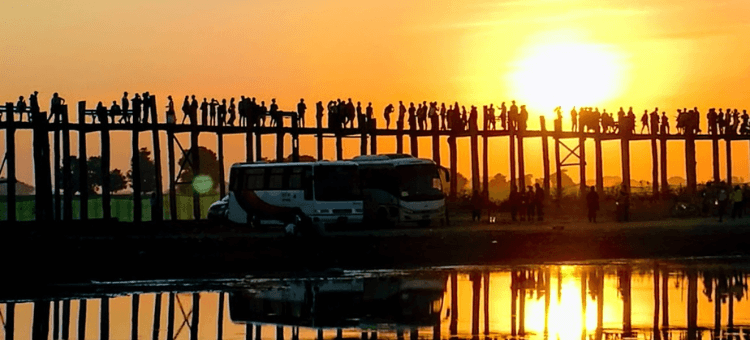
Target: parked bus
x=297, y=194
x=400, y=189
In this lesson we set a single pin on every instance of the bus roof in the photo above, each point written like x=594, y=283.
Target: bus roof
x=391, y=159
x=271, y=165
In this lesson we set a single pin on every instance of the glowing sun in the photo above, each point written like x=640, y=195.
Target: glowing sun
x=551, y=73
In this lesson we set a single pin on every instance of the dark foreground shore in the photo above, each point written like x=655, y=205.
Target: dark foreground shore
x=35, y=253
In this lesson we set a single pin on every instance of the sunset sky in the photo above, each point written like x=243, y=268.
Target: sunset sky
x=645, y=54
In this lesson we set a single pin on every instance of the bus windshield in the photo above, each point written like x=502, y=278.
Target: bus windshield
x=337, y=183
x=419, y=182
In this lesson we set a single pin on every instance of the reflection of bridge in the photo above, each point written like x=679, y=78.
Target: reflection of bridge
x=572, y=144
x=52, y=306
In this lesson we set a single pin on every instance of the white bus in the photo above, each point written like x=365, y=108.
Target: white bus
x=299, y=194
x=400, y=189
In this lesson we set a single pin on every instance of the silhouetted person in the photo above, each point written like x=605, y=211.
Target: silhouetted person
x=737, y=202
x=319, y=113
x=212, y=111
x=137, y=102
x=401, y=116
x=171, y=116
x=360, y=116
x=273, y=111
x=125, y=107
x=387, y=115
x=623, y=203
x=574, y=119
x=146, y=107
x=33, y=105
x=513, y=115
x=56, y=106
x=301, y=109
x=476, y=206
x=193, y=111
x=368, y=113
x=101, y=112
x=443, y=117
x=664, y=123
x=221, y=112
x=539, y=200
x=185, y=109
x=351, y=113
x=503, y=116
x=231, y=111
x=204, y=112
x=20, y=108
x=412, y=117
x=115, y=110
x=592, y=204
x=491, y=120
x=514, y=200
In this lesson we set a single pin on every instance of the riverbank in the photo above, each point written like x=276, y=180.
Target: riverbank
x=99, y=250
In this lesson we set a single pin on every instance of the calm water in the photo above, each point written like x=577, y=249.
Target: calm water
x=639, y=299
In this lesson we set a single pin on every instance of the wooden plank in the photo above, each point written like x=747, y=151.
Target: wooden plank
x=521, y=162
x=42, y=174
x=474, y=152
x=453, y=167
x=582, y=164
x=10, y=154
x=56, y=155
x=558, y=171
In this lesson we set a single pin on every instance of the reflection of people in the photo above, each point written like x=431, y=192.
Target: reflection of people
x=592, y=204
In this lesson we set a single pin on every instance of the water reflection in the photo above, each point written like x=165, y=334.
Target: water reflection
x=645, y=300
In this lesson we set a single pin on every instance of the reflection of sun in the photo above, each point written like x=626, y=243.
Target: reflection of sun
x=560, y=71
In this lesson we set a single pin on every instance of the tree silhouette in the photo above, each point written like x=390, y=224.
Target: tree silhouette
x=209, y=165
x=94, y=177
x=148, y=171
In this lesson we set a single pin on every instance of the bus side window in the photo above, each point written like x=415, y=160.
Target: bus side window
x=307, y=183
x=295, y=178
x=255, y=179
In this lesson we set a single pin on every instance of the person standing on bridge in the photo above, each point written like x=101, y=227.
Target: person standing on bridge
x=185, y=109
x=33, y=105
x=412, y=117
x=574, y=119
x=193, y=110
x=171, y=116
x=56, y=106
x=204, y=112
x=301, y=108
x=401, y=116
x=20, y=108
x=231, y=110
x=319, y=113
x=125, y=107
x=592, y=204
x=387, y=115
x=136, y=108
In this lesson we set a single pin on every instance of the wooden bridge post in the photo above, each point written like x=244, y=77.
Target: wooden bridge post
x=157, y=317
x=82, y=166
x=373, y=136
x=106, y=156
x=220, y=155
x=65, y=320
x=663, y=170
x=545, y=156
x=453, y=165
x=512, y=154
x=10, y=317
x=195, y=317
x=654, y=165
x=10, y=154
x=172, y=172
x=158, y=210
x=485, y=162
x=220, y=319
x=280, y=139
x=258, y=145
x=582, y=162
x=196, y=164
x=67, y=181
x=57, y=175
x=249, y=141
x=40, y=323
x=400, y=141
x=136, y=161
x=42, y=175
x=558, y=169
x=474, y=140
x=339, y=146
x=104, y=319
x=414, y=143
x=319, y=142
x=521, y=162
x=715, y=158
x=362, y=140
x=728, y=147
x=170, y=315
x=295, y=139
x=82, y=309
x=134, y=309
x=436, y=146
x=625, y=157
x=599, y=160
x=690, y=162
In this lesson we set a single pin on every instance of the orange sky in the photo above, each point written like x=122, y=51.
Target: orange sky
x=670, y=54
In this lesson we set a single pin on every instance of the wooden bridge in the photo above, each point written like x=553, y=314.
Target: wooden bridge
x=569, y=150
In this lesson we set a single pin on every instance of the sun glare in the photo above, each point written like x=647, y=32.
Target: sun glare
x=555, y=73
